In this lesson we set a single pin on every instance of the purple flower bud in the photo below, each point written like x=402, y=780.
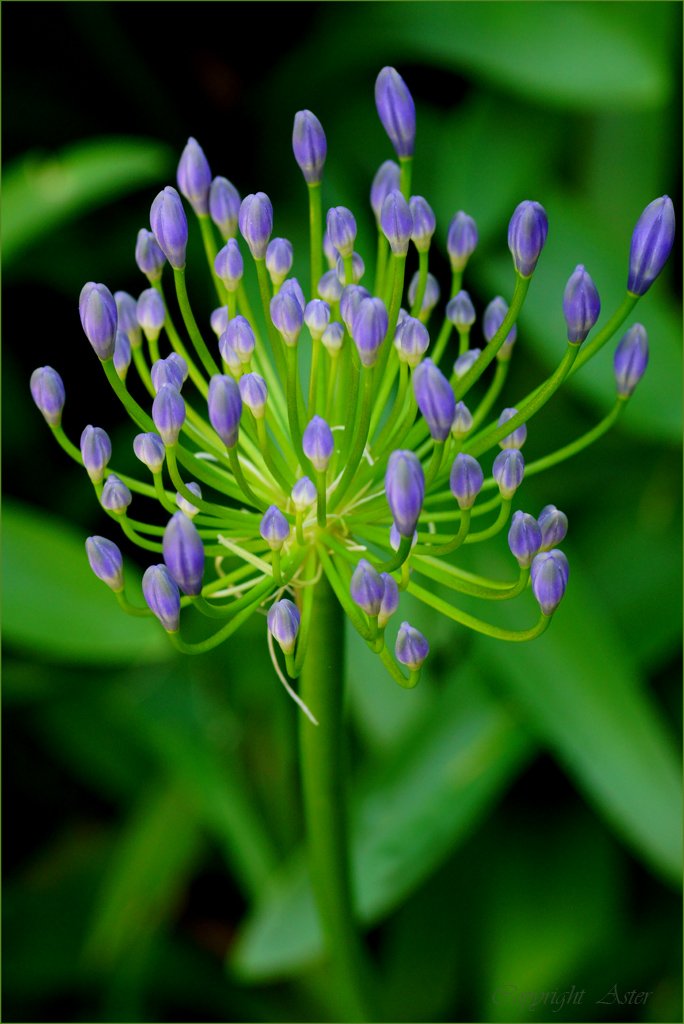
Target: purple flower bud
x=230, y=356
x=651, y=243
x=148, y=256
x=115, y=496
x=274, y=528
x=367, y=588
x=411, y=340
x=186, y=507
x=287, y=315
x=318, y=443
x=465, y=361
x=508, y=471
x=309, y=146
x=358, y=269
x=330, y=287
x=224, y=207
x=47, y=391
x=386, y=179
x=219, y=320
x=396, y=110
x=553, y=525
x=254, y=393
x=151, y=313
x=170, y=226
x=229, y=266
x=331, y=253
x=430, y=296
x=173, y=357
x=494, y=316
x=161, y=594
x=461, y=312
x=106, y=562
x=225, y=408
x=240, y=336
x=283, y=623
x=122, y=354
x=256, y=223
x=390, y=599
x=341, y=229
x=127, y=318
x=549, y=574
x=518, y=437
x=303, y=494
x=631, y=359
x=405, y=490
x=396, y=222
x=149, y=448
x=168, y=413
x=369, y=328
x=435, y=399
x=411, y=647
x=293, y=287
x=96, y=451
x=317, y=317
x=194, y=177
x=279, y=257
x=424, y=223
x=332, y=338
x=462, y=422
x=527, y=233
x=184, y=553
x=461, y=240
x=581, y=305
x=524, y=538
x=164, y=371
x=465, y=480
x=99, y=318
x=350, y=300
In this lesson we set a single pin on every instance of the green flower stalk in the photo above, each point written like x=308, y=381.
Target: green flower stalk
x=325, y=499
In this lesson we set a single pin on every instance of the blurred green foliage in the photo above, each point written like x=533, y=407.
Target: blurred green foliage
x=516, y=820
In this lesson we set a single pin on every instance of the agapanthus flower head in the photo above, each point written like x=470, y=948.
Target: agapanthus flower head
x=256, y=222
x=184, y=553
x=396, y=110
x=435, y=398
x=106, y=561
x=386, y=179
x=99, y=318
x=333, y=338
x=240, y=336
x=317, y=317
x=652, y=241
x=465, y=480
x=283, y=623
x=47, y=391
x=318, y=443
x=367, y=588
x=116, y=496
x=279, y=258
x=411, y=647
x=187, y=507
x=341, y=227
x=150, y=449
x=549, y=574
x=424, y=223
x=369, y=328
x=405, y=490
x=303, y=494
x=581, y=305
x=462, y=240
x=224, y=207
x=517, y=437
x=168, y=413
x=508, y=471
x=396, y=222
x=524, y=538
x=127, y=317
x=631, y=360
x=229, y=265
x=309, y=146
x=194, y=177
x=287, y=314
x=161, y=593
x=460, y=311
x=527, y=233
x=553, y=525
x=170, y=226
x=358, y=269
x=148, y=256
x=274, y=528
x=462, y=422
x=411, y=340
x=96, y=451
x=430, y=295
x=150, y=313
x=225, y=408
x=254, y=393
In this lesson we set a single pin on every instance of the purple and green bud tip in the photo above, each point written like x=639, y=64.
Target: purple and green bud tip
x=187, y=507
x=96, y=451
x=463, y=363
x=405, y=490
x=47, y=391
x=194, y=177
x=115, y=496
x=317, y=317
x=309, y=146
x=390, y=599
x=330, y=287
x=411, y=340
x=517, y=438
x=303, y=494
x=287, y=314
x=106, y=562
x=553, y=525
x=651, y=244
x=170, y=226
x=386, y=179
x=99, y=318
x=162, y=596
x=630, y=360
x=127, y=317
x=254, y=393
x=184, y=553
x=166, y=371
x=396, y=110
x=318, y=443
x=225, y=408
x=396, y=222
x=549, y=573
x=494, y=316
x=369, y=327
x=430, y=295
x=527, y=233
x=274, y=528
x=283, y=624
x=367, y=588
x=508, y=471
x=461, y=312
x=424, y=223
x=435, y=399
x=229, y=265
x=411, y=647
x=256, y=223
x=149, y=448
x=462, y=240
x=524, y=538
x=148, y=256
x=465, y=480
x=151, y=313
x=581, y=305
x=279, y=258
x=240, y=336
x=462, y=422
x=224, y=207
x=122, y=354
x=341, y=227
x=168, y=413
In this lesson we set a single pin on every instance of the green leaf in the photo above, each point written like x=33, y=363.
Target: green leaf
x=56, y=608
x=41, y=193
x=424, y=799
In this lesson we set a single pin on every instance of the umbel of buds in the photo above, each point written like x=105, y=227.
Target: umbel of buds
x=333, y=436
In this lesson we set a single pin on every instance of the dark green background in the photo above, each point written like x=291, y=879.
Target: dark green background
x=517, y=818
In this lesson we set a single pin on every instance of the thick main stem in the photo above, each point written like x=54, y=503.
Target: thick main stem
x=323, y=784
